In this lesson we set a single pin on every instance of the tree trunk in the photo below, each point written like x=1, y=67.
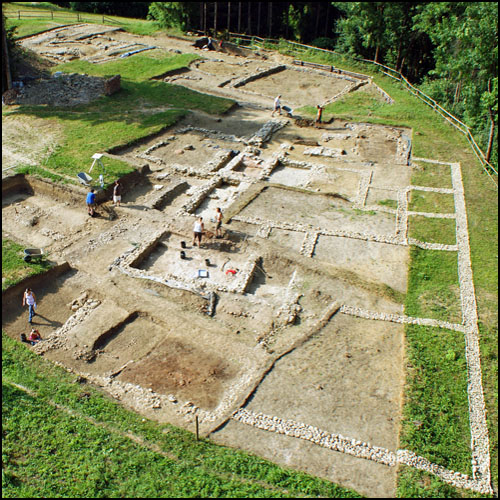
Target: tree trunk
x=270, y=14
x=490, y=140
x=328, y=4
x=492, y=128
x=457, y=93
x=215, y=19
x=376, y=53
x=287, y=19
x=205, y=18
x=249, y=25
x=239, y=17
x=398, y=59
x=258, y=18
x=318, y=10
x=6, y=61
x=228, y=17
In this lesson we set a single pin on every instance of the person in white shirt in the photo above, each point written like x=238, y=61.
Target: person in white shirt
x=29, y=299
x=277, y=105
x=198, y=231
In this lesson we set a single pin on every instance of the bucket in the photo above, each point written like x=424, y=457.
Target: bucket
x=207, y=262
x=183, y=254
x=183, y=244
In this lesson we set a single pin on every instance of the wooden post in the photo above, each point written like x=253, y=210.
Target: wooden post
x=19, y=14
x=197, y=428
x=205, y=18
x=52, y=14
x=215, y=19
x=239, y=17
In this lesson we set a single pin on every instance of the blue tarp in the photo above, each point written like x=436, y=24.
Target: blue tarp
x=126, y=54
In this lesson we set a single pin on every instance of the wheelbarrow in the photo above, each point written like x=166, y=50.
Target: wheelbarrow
x=84, y=178
x=287, y=110
x=32, y=254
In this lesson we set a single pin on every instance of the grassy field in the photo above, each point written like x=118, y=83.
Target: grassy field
x=14, y=269
x=433, y=289
x=29, y=19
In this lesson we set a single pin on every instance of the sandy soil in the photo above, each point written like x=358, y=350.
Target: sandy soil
x=170, y=360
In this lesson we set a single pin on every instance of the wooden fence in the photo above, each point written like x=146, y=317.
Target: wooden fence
x=51, y=14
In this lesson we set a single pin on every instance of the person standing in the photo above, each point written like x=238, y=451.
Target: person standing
x=218, y=223
x=29, y=299
x=91, y=202
x=277, y=106
x=318, y=116
x=198, y=231
x=117, y=193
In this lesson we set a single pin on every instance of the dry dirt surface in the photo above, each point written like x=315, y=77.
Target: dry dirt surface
x=260, y=319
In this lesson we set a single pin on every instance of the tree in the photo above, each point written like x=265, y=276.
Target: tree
x=7, y=40
x=364, y=26
x=465, y=77
x=173, y=14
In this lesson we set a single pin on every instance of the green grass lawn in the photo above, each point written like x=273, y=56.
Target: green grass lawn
x=432, y=230
x=14, y=269
x=37, y=18
x=430, y=202
x=64, y=439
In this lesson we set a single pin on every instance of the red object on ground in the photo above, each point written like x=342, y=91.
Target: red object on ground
x=231, y=271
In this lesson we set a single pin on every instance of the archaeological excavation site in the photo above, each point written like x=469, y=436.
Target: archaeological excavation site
x=283, y=336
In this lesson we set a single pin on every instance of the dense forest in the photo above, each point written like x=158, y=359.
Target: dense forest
x=448, y=49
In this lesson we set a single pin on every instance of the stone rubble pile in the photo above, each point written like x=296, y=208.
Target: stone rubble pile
x=59, y=338
x=324, y=151
x=27, y=216
x=62, y=90
x=266, y=132
x=309, y=244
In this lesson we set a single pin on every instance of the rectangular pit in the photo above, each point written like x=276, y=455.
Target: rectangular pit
x=320, y=179
x=323, y=87
x=378, y=262
x=164, y=258
x=319, y=211
x=222, y=197
x=179, y=365
x=193, y=149
x=42, y=214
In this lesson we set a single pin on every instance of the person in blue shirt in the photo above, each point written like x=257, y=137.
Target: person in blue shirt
x=91, y=202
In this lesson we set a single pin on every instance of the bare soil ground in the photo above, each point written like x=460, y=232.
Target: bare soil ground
x=154, y=348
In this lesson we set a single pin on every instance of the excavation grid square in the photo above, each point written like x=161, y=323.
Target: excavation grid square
x=220, y=197
x=319, y=211
x=165, y=259
x=299, y=86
